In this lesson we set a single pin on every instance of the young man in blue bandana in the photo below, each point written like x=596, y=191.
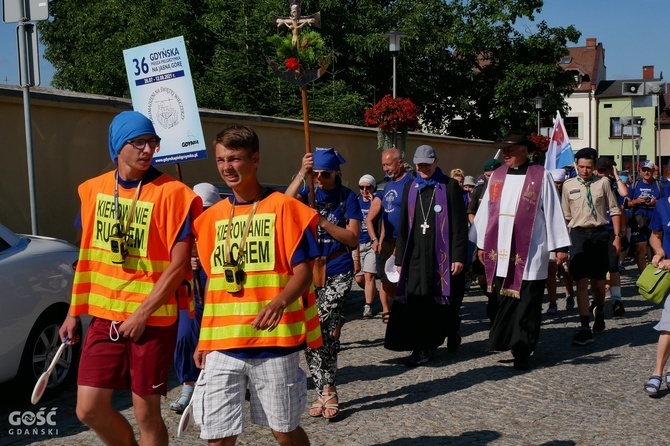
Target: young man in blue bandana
x=134, y=257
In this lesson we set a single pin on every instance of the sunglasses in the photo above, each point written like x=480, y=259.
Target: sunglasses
x=325, y=174
x=365, y=187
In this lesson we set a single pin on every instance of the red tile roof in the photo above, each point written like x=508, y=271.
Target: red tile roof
x=585, y=61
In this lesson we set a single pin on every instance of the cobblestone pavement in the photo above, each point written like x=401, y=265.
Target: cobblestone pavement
x=588, y=395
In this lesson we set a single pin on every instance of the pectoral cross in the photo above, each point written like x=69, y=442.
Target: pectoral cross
x=424, y=226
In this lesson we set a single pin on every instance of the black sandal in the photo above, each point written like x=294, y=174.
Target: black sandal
x=385, y=317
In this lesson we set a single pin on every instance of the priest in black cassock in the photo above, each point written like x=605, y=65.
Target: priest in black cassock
x=431, y=250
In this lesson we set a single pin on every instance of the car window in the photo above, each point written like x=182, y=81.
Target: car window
x=4, y=245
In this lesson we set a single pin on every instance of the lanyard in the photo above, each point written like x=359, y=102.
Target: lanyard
x=240, y=252
x=131, y=212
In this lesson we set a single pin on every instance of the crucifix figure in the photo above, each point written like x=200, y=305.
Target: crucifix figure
x=295, y=22
x=424, y=226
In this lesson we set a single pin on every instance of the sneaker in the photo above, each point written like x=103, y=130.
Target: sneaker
x=367, y=311
x=599, y=323
x=553, y=309
x=416, y=358
x=569, y=302
x=608, y=293
x=582, y=337
x=617, y=308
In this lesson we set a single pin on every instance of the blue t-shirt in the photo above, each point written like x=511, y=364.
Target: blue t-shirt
x=336, y=205
x=642, y=189
x=364, y=237
x=391, y=204
x=660, y=220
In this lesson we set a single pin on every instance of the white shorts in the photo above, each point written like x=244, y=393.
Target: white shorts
x=368, y=259
x=278, y=389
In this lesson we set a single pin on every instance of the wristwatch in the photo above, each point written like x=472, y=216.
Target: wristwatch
x=619, y=235
x=374, y=239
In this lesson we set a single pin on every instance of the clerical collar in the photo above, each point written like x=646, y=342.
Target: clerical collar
x=521, y=170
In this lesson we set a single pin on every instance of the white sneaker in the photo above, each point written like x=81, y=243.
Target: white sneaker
x=367, y=311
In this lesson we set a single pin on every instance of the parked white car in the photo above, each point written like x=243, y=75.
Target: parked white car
x=36, y=276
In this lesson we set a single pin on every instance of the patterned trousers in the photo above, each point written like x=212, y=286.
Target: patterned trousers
x=322, y=361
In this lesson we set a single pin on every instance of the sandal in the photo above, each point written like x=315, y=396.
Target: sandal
x=652, y=386
x=330, y=406
x=385, y=317
x=180, y=405
x=318, y=404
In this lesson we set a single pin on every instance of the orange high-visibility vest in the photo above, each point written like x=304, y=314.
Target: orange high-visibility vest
x=114, y=291
x=276, y=230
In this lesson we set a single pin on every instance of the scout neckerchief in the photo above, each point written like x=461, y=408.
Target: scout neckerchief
x=589, y=197
x=522, y=232
x=442, y=247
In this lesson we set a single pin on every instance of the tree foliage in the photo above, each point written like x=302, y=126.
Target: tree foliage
x=465, y=63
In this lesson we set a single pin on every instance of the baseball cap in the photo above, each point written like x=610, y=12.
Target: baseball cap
x=424, y=155
x=648, y=164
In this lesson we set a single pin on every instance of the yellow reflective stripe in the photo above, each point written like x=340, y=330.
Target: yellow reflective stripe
x=311, y=312
x=247, y=331
x=314, y=334
x=136, y=263
x=114, y=284
x=253, y=281
x=239, y=308
x=119, y=306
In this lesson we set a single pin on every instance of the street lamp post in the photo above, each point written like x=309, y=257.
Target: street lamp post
x=538, y=107
x=394, y=47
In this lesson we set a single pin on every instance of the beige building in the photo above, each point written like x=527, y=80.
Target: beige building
x=69, y=132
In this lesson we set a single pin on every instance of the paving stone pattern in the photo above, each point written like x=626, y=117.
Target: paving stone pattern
x=589, y=395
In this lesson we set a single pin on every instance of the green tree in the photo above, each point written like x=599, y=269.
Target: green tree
x=464, y=63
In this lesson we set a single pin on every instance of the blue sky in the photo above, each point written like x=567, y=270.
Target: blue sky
x=631, y=33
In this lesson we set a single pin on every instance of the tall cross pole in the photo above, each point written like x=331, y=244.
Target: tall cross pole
x=294, y=23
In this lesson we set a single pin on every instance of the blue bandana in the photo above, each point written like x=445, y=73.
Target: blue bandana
x=432, y=181
x=327, y=159
x=126, y=126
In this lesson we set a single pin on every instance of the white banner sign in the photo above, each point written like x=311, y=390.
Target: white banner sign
x=161, y=89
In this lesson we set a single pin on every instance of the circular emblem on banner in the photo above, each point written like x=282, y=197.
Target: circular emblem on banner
x=437, y=208
x=165, y=108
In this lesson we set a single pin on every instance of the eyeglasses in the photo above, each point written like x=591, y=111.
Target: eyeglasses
x=141, y=143
x=325, y=174
x=365, y=187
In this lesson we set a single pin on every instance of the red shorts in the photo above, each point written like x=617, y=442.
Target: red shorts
x=141, y=366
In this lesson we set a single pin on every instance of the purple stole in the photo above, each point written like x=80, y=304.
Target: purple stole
x=522, y=232
x=441, y=243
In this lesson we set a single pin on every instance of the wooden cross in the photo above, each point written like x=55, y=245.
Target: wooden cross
x=295, y=21
x=424, y=226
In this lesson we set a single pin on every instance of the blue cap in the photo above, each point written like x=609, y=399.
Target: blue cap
x=126, y=126
x=327, y=159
